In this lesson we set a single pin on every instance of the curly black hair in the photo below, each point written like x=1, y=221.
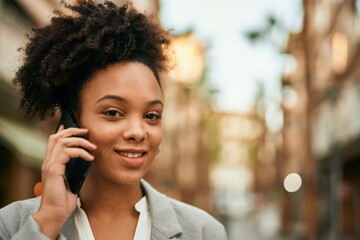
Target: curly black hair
x=62, y=56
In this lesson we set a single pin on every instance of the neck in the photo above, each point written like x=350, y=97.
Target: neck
x=101, y=197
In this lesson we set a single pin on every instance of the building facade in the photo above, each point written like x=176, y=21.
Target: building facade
x=321, y=130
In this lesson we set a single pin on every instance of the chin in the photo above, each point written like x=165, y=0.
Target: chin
x=128, y=179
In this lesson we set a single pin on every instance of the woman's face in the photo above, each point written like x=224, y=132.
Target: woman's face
x=122, y=107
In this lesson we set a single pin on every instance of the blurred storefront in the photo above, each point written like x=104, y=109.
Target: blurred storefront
x=21, y=150
x=245, y=176
x=232, y=175
x=21, y=146
x=336, y=143
x=321, y=130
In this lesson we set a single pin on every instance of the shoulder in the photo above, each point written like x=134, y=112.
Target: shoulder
x=172, y=217
x=15, y=214
x=191, y=213
x=182, y=210
x=20, y=208
x=193, y=217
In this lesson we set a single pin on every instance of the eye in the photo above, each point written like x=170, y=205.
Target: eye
x=113, y=113
x=153, y=116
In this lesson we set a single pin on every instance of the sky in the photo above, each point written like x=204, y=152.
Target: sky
x=236, y=66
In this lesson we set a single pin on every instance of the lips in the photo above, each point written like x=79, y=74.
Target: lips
x=130, y=155
x=132, y=158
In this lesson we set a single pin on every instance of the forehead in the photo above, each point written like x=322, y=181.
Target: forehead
x=130, y=79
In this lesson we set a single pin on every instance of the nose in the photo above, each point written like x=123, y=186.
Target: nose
x=135, y=131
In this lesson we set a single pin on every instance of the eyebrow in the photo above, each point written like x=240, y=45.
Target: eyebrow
x=121, y=99
x=115, y=97
x=155, y=102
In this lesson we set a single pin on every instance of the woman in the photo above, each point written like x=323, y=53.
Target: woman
x=102, y=63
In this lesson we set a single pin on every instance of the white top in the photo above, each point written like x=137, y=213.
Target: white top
x=143, y=227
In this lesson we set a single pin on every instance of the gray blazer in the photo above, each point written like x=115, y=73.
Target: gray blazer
x=170, y=219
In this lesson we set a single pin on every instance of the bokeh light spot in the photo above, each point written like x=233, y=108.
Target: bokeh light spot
x=292, y=182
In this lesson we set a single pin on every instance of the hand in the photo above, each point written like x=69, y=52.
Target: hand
x=58, y=202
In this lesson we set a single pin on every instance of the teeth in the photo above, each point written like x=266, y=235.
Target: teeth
x=131, y=155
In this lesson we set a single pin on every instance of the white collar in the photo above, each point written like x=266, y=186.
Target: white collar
x=143, y=227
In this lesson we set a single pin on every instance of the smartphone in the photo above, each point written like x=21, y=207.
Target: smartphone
x=77, y=168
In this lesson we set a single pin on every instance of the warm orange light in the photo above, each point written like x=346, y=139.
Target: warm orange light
x=339, y=52
x=38, y=189
x=188, y=58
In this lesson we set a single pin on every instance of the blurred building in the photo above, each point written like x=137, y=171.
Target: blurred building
x=321, y=130
x=245, y=177
x=21, y=146
x=233, y=175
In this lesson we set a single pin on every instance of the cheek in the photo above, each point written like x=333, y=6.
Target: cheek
x=102, y=134
x=157, y=138
x=105, y=135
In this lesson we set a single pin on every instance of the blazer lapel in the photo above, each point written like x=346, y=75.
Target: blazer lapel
x=68, y=229
x=165, y=224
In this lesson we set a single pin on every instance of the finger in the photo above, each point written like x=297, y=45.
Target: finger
x=78, y=153
x=51, y=141
x=70, y=132
x=61, y=128
x=77, y=142
x=61, y=133
x=62, y=154
x=69, y=153
x=57, y=168
x=71, y=142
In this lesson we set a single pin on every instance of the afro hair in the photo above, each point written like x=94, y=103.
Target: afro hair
x=62, y=56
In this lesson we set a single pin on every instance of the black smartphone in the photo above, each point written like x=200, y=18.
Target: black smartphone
x=77, y=168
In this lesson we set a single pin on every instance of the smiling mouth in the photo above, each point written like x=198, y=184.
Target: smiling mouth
x=131, y=155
